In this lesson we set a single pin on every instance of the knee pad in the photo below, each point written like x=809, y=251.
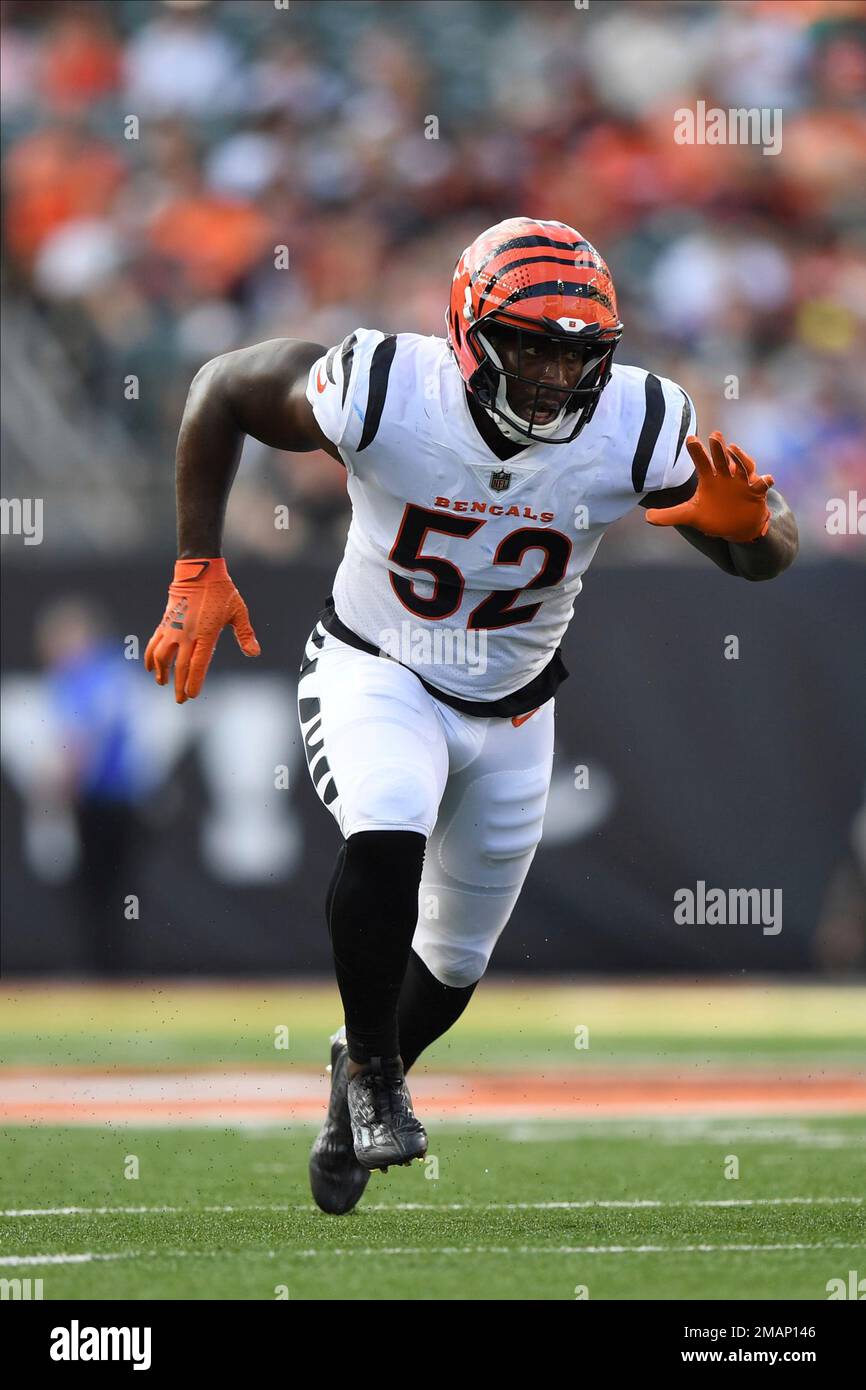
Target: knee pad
x=392, y=794
x=495, y=829
x=448, y=961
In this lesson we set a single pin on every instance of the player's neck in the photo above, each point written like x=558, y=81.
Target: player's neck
x=494, y=439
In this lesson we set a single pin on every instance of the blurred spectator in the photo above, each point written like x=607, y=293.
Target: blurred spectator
x=181, y=62
x=53, y=176
x=210, y=241
x=81, y=59
x=839, y=943
x=97, y=772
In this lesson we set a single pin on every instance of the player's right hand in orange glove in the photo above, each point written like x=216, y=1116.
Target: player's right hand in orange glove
x=202, y=600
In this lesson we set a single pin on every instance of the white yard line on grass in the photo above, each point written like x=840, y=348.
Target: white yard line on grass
x=628, y=1204
x=577, y=1249
x=679, y=1129
x=87, y=1257
x=15, y=1261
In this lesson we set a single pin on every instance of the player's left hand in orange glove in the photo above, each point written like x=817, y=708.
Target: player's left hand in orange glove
x=731, y=496
x=202, y=600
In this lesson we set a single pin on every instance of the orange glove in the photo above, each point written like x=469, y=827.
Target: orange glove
x=202, y=600
x=731, y=496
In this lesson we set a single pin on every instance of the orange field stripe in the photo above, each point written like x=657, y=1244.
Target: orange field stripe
x=65, y=1095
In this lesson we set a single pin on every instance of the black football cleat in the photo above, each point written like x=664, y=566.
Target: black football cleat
x=383, y=1123
x=337, y=1178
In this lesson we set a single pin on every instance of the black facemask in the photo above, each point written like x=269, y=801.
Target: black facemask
x=542, y=403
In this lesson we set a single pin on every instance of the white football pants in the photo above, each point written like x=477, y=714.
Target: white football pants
x=384, y=754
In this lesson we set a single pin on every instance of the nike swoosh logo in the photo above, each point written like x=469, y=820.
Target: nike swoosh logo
x=519, y=719
x=320, y=384
x=205, y=565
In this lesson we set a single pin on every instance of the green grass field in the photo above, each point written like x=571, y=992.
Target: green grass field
x=629, y=1207
x=527, y=1025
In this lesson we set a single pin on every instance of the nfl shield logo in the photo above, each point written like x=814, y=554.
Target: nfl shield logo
x=500, y=480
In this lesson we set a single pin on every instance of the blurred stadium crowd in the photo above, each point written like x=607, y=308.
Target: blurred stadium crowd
x=155, y=154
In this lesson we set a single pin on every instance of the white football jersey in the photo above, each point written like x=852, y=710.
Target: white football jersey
x=460, y=565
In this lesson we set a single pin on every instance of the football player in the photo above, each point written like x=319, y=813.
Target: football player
x=483, y=470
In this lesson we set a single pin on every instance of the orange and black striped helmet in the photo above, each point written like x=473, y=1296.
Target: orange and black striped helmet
x=533, y=277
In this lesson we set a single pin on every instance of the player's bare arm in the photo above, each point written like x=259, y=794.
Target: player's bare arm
x=257, y=391
x=730, y=512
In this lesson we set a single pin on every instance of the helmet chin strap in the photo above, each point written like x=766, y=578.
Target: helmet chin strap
x=516, y=436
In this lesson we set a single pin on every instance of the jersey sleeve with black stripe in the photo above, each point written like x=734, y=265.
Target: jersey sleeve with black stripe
x=661, y=460
x=346, y=389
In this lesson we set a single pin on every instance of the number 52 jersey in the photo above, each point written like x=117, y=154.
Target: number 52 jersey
x=462, y=565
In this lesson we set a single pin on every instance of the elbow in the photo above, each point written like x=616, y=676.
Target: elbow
x=759, y=578
x=209, y=374
x=772, y=568
x=779, y=555
x=791, y=547
x=211, y=385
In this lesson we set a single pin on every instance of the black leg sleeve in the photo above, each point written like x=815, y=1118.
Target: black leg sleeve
x=427, y=1009
x=372, y=908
